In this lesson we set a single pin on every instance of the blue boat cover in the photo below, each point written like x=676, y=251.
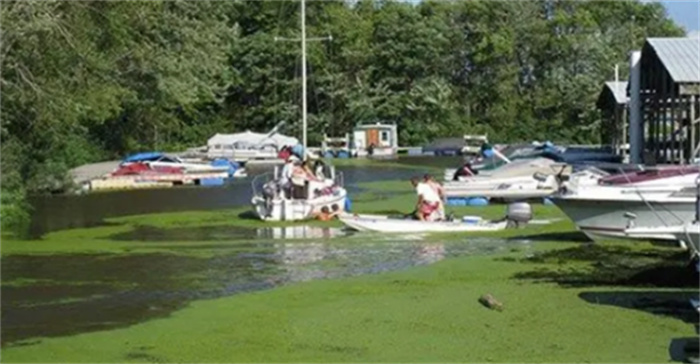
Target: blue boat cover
x=138, y=157
x=222, y=162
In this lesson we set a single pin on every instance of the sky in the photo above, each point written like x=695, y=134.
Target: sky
x=684, y=13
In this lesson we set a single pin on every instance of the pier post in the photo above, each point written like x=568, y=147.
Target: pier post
x=635, y=124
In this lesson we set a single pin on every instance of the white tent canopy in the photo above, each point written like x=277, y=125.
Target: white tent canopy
x=249, y=139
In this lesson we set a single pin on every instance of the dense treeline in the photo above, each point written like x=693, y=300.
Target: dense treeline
x=84, y=81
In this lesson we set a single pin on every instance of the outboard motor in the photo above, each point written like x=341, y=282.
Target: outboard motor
x=519, y=213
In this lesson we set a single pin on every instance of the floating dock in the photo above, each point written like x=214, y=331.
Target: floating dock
x=155, y=181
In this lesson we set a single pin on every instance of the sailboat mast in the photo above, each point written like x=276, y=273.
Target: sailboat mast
x=303, y=75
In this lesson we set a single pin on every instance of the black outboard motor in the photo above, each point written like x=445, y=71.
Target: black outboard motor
x=518, y=213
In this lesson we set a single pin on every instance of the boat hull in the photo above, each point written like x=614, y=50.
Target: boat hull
x=385, y=224
x=279, y=209
x=600, y=219
x=686, y=233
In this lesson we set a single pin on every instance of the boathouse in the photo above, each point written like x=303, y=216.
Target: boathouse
x=669, y=99
x=612, y=104
x=376, y=140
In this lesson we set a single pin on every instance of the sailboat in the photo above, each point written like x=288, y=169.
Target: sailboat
x=270, y=202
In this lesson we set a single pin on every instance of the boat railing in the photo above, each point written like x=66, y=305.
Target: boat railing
x=339, y=179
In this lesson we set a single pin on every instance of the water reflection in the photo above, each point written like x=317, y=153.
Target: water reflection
x=67, y=294
x=301, y=232
x=226, y=233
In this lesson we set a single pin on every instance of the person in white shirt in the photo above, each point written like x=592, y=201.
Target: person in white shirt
x=428, y=200
x=286, y=176
x=440, y=190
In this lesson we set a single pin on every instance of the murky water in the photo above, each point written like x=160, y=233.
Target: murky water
x=57, y=295
x=58, y=212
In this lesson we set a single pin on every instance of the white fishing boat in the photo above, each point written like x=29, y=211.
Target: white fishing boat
x=270, y=203
x=521, y=179
x=688, y=234
x=159, y=160
x=654, y=198
x=387, y=224
x=517, y=213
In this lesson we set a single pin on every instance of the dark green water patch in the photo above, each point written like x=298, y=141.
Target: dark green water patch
x=200, y=233
x=225, y=233
x=56, y=295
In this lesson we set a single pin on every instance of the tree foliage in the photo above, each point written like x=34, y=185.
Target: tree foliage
x=84, y=81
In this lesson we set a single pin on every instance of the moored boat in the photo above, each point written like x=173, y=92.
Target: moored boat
x=602, y=210
x=518, y=213
x=688, y=233
x=387, y=224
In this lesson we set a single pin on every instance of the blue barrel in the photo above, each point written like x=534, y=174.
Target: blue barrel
x=348, y=204
x=477, y=201
x=456, y=201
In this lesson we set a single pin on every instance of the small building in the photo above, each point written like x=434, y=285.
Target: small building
x=612, y=103
x=670, y=99
x=375, y=140
x=248, y=145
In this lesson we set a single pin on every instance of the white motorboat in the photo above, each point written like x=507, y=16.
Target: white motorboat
x=688, y=233
x=387, y=224
x=158, y=160
x=269, y=202
x=520, y=179
x=517, y=213
x=656, y=198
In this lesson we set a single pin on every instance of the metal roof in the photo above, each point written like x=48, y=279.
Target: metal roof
x=619, y=90
x=680, y=56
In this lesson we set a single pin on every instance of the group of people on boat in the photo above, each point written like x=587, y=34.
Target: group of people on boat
x=431, y=199
x=299, y=181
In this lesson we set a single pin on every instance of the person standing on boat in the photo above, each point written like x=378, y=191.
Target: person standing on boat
x=319, y=167
x=428, y=200
x=286, y=177
x=440, y=190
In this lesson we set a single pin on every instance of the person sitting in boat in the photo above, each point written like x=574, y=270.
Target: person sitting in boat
x=428, y=200
x=465, y=171
x=326, y=214
x=440, y=190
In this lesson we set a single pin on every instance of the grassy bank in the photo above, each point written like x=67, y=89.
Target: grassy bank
x=427, y=314
x=565, y=300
